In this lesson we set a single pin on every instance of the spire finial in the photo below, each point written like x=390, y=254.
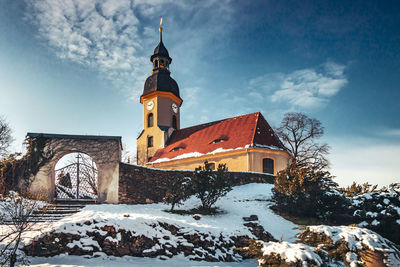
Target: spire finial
x=160, y=29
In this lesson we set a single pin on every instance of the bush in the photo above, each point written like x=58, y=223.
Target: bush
x=179, y=189
x=209, y=185
x=309, y=192
x=358, y=189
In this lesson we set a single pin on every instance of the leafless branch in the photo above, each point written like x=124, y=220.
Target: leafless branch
x=299, y=133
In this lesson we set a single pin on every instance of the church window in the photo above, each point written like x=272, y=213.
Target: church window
x=268, y=166
x=210, y=165
x=155, y=63
x=219, y=140
x=161, y=63
x=174, y=122
x=150, y=141
x=150, y=119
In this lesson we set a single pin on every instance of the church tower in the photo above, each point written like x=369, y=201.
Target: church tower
x=161, y=105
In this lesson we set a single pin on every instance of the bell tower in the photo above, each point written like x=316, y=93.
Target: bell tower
x=161, y=105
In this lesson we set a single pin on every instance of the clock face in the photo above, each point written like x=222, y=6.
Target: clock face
x=174, y=107
x=150, y=105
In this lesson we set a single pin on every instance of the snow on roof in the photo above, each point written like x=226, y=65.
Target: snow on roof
x=197, y=154
x=250, y=130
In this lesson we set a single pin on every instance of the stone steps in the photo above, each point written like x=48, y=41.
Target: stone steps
x=59, y=209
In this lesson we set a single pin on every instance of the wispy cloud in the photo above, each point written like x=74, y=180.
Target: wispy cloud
x=310, y=88
x=390, y=132
x=113, y=37
x=305, y=88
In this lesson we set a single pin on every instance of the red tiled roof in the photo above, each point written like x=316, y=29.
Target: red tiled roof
x=237, y=132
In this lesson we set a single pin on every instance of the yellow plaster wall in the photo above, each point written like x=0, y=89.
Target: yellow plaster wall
x=281, y=159
x=234, y=161
x=238, y=160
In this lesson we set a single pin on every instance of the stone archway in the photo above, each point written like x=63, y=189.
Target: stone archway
x=104, y=150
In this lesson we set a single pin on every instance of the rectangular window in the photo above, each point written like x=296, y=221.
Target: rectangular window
x=268, y=165
x=150, y=120
x=150, y=141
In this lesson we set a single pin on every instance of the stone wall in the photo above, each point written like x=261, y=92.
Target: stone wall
x=139, y=185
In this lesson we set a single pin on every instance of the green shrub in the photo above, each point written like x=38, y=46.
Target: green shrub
x=209, y=185
x=179, y=189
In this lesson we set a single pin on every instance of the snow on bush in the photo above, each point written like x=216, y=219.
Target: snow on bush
x=14, y=206
x=349, y=242
x=379, y=211
x=16, y=214
x=290, y=253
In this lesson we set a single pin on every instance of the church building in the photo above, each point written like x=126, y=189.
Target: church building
x=243, y=143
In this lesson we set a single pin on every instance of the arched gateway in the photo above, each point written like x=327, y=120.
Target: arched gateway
x=104, y=150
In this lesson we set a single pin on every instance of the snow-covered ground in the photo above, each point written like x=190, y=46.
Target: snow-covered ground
x=242, y=201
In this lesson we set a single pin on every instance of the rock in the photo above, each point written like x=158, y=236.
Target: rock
x=251, y=218
x=259, y=232
x=108, y=228
x=196, y=245
x=196, y=217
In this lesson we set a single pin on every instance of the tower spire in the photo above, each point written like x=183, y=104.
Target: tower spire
x=160, y=29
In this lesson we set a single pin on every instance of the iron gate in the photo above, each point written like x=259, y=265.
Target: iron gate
x=77, y=180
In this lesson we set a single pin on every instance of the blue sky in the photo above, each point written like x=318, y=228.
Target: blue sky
x=78, y=67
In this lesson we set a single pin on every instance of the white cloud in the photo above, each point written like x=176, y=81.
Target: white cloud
x=306, y=88
x=112, y=37
x=311, y=88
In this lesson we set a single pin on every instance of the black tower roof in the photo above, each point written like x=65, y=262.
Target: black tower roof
x=160, y=80
x=160, y=51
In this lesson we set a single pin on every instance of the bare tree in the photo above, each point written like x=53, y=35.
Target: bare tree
x=18, y=215
x=88, y=171
x=5, y=137
x=299, y=133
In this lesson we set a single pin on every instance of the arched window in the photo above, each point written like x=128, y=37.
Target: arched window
x=150, y=120
x=150, y=141
x=156, y=63
x=161, y=63
x=268, y=165
x=210, y=165
x=174, y=122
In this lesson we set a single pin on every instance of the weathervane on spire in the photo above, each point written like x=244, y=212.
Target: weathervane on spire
x=160, y=29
